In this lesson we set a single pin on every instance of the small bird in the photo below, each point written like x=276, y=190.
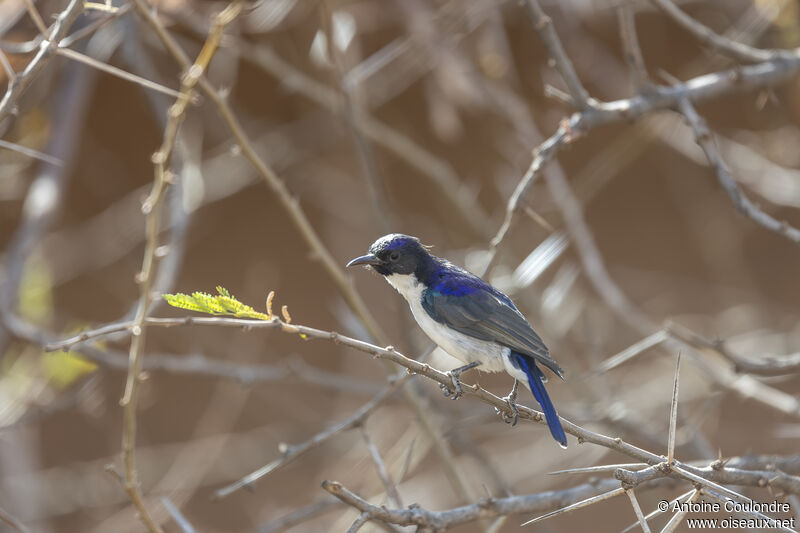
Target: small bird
x=468, y=318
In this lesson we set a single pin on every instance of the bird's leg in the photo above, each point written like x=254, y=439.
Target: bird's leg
x=511, y=400
x=456, y=391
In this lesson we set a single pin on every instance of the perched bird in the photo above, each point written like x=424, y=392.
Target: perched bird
x=468, y=318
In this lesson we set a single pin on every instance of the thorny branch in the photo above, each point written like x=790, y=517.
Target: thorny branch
x=772, y=68
x=787, y=483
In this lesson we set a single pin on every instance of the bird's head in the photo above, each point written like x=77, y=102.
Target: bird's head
x=394, y=254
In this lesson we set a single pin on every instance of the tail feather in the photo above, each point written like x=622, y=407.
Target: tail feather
x=536, y=381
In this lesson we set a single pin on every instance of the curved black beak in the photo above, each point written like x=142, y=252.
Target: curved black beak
x=368, y=259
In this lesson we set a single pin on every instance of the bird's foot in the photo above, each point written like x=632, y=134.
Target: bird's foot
x=511, y=400
x=455, y=392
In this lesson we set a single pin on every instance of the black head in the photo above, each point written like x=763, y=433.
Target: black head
x=394, y=254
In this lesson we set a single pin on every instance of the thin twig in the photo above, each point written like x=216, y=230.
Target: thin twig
x=740, y=200
x=92, y=27
x=769, y=365
x=300, y=515
x=12, y=522
x=291, y=452
x=630, y=45
x=380, y=466
x=632, y=351
x=177, y=515
x=30, y=152
x=37, y=19
x=658, y=511
x=247, y=374
x=638, y=510
x=440, y=520
x=705, y=35
x=699, y=89
x=7, y=68
x=676, y=519
x=115, y=71
x=544, y=27
x=542, y=154
x=673, y=413
x=47, y=49
x=152, y=212
x=359, y=522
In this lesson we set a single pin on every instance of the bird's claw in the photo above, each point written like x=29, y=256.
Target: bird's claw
x=513, y=418
x=511, y=400
x=455, y=392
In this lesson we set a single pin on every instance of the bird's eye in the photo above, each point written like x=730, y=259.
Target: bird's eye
x=394, y=256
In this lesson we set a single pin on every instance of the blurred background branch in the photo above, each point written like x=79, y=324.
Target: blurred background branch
x=562, y=149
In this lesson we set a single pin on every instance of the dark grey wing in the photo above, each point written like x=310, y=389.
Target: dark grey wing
x=485, y=316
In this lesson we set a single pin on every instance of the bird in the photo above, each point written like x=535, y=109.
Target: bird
x=469, y=319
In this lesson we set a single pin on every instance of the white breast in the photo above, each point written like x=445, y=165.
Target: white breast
x=460, y=346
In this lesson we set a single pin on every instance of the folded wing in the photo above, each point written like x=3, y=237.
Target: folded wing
x=484, y=315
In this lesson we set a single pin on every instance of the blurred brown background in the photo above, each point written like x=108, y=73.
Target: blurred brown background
x=462, y=84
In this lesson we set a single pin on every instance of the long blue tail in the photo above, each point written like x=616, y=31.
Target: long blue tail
x=536, y=381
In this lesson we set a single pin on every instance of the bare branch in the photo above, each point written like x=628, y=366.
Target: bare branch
x=12, y=522
x=22, y=81
x=632, y=351
x=769, y=365
x=699, y=89
x=544, y=27
x=740, y=200
x=362, y=519
x=727, y=46
x=415, y=515
x=542, y=154
x=247, y=374
x=30, y=152
x=151, y=209
x=735, y=476
x=438, y=171
x=177, y=516
x=299, y=516
x=118, y=72
x=9, y=70
x=630, y=45
x=380, y=466
x=292, y=452
x=37, y=19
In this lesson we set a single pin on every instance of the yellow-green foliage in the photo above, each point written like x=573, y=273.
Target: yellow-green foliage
x=36, y=291
x=61, y=369
x=224, y=303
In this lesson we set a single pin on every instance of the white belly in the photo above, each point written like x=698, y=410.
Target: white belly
x=463, y=347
